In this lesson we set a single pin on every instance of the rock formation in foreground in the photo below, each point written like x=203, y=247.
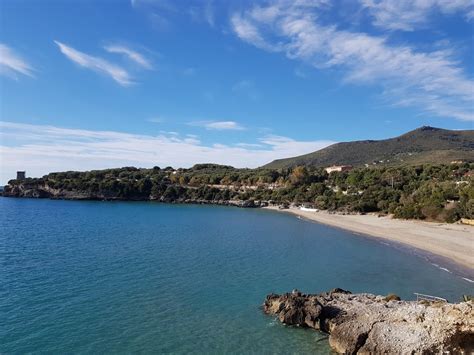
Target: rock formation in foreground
x=368, y=324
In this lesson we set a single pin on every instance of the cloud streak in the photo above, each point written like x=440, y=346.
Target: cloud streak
x=130, y=54
x=433, y=81
x=203, y=11
x=218, y=125
x=12, y=64
x=42, y=149
x=96, y=64
x=407, y=15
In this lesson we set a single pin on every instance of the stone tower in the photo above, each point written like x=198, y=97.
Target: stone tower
x=20, y=175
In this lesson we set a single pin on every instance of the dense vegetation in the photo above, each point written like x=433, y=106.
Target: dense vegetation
x=432, y=192
x=421, y=146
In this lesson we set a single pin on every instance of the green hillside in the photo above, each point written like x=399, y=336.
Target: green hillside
x=423, y=145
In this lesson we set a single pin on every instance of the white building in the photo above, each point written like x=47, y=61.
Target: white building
x=333, y=168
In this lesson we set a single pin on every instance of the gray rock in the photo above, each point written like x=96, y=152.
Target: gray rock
x=370, y=324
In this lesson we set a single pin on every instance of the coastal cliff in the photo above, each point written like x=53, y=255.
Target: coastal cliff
x=45, y=191
x=369, y=324
x=35, y=189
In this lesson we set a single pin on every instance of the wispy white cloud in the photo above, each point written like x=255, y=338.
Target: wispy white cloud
x=42, y=149
x=96, y=64
x=470, y=15
x=158, y=12
x=161, y=12
x=284, y=147
x=407, y=15
x=203, y=11
x=434, y=82
x=159, y=22
x=11, y=63
x=249, y=145
x=224, y=125
x=247, y=30
x=170, y=133
x=218, y=125
x=130, y=54
x=209, y=13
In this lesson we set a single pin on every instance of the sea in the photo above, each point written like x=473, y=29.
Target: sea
x=88, y=277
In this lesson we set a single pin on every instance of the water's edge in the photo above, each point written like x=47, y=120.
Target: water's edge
x=441, y=262
x=438, y=261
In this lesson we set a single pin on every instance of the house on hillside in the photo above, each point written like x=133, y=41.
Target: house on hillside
x=333, y=168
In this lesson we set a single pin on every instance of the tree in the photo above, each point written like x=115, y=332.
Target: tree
x=299, y=175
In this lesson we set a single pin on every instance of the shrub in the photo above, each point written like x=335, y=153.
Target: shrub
x=392, y=297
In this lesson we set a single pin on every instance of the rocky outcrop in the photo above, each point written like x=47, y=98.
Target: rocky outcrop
x=42, y=190
x=370, y=324
x=35, y=190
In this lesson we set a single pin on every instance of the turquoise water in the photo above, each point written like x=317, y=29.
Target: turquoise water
x=118, y=277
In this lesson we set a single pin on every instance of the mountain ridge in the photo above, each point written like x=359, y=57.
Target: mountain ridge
x=422, y=145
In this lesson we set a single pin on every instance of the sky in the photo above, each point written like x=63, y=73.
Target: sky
x=98, y=84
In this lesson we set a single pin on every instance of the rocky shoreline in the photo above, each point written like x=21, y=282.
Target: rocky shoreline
x=44, y=191
x=370, y=324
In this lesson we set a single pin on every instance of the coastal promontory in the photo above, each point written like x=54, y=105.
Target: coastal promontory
x=369, y=324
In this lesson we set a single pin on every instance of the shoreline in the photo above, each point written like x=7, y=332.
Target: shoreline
x=430, y=239
x=452, y=242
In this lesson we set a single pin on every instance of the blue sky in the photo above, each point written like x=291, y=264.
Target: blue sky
x=96, y=84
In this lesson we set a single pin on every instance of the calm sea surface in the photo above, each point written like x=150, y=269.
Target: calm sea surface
x=119, y=277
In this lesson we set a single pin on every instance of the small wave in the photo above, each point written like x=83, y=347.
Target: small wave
x=468, y=280
x=272, y=323
x=441, y=268
x=444, y=269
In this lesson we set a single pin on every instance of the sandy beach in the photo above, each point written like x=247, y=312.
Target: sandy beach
x=452, y=241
